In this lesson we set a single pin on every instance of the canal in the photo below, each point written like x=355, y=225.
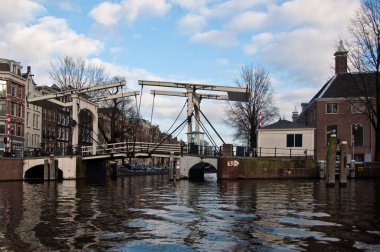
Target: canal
x=149, y=213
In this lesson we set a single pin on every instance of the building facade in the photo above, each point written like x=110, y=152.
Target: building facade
x=285, y=139
x=56, y=130
x=33, y=116
x=12, y=107
x=334, y=110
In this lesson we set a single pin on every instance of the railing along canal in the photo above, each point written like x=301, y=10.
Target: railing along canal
x=135, y=148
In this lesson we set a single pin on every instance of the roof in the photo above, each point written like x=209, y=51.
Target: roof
x=348, y=85
x=285, y=124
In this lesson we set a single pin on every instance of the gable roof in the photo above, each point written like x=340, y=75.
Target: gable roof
x=285, y=124
x=348, y=85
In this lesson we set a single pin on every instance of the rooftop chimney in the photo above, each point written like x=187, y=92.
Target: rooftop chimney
x=341, y=59
x=294, y=114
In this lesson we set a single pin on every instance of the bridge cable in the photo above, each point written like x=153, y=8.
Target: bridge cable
x=138, y=112
x=212, y=127
x=169, y=135
x=92, y=138
x=208, y=134
x=179, y=132
x=184, y=105
x=151, y=115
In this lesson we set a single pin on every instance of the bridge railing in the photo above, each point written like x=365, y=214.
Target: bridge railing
x=273, y=152
x=194, y=149
x=133, y=148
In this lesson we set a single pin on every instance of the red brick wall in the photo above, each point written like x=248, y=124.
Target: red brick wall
x=11, y=169
x=344, y=119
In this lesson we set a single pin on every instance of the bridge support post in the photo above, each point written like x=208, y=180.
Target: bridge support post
x=46, y=169
x=177, y=170
x=52, y=171
x=343, y=164
x=171, y=166
x=331, y=161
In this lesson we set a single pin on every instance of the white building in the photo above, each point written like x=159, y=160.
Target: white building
x=285, y=139
x=33, y=116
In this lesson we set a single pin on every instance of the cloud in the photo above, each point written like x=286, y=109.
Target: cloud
x=12, y=11
x=216, y=37
x=110, y=13
x=259, y=42
x=327, y=14
x=107, y=13
x=230, y=8
x=192, y=5
x=300, y=45
x=191, y=23
x=248, y=21
x=132, y=75
x=290, y=99
x=37, y=43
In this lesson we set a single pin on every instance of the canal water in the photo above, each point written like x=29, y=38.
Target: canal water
x=149, y=213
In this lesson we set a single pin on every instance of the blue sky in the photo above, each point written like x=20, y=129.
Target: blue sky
x=203, y=41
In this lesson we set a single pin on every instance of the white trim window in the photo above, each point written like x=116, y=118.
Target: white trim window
x=332, y=108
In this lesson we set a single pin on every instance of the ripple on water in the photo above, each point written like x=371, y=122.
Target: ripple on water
x=302, y=233
x=143, y=246
x=306, y=222
x=366, y=246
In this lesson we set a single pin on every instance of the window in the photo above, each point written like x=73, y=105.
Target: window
x=2, y=127
x=3, y=110
x=294, y=140
x=20, y=92
x=3, y=88
x=331, y=129
x=19, y=111
x=27, y=119
x=331, y=108
x=357, y=134
x=19, y=132
x=35, y=121
x=13, y=89
x=13, y=109
x=13, y=126
x=27, y=140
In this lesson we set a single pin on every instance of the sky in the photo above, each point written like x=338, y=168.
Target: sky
x=200, y=41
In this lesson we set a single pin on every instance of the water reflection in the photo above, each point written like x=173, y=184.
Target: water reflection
x=149, y=213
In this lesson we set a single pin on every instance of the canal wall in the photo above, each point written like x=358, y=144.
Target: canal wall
x=367, y=170
x=251, y=168
x=11, y=169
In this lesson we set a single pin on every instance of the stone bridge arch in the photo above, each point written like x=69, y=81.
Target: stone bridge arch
x=197, y=171
x=66, y=167
x=192, y=167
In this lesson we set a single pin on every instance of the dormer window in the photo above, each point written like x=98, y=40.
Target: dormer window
x=332, y=108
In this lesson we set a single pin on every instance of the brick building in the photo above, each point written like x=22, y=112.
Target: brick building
x=56, y=130
x=333, y=108
x=12, y=106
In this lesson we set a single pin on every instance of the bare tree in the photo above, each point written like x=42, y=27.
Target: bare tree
x=364, y=63
x=69, y=72
x=117, y=114
x=244, y=116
